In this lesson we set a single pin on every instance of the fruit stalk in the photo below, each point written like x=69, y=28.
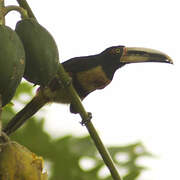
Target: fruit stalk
x=24, y=5
x=21, y=10
x=2, y=19
x=5, y=10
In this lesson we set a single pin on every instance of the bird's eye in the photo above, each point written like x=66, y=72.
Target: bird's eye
x=117, y=50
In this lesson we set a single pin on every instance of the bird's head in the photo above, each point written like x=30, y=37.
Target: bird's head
x=125, y=55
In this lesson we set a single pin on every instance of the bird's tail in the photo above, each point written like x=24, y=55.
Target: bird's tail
x=29, y=110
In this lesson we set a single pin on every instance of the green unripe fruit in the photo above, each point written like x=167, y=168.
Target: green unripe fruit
x=42, y=56
x=12, y=63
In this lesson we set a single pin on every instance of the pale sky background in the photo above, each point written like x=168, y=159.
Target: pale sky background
x=142, y=102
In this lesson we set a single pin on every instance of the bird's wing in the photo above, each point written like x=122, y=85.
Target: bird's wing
x=79, y=64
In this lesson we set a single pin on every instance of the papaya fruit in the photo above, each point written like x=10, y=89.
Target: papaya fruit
x=42, y=57
x=12, y=63
x=17, y=162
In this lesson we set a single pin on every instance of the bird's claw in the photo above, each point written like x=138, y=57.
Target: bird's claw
x=86, y=120
x=4, y=137
x=65, y=84
x=68, y=82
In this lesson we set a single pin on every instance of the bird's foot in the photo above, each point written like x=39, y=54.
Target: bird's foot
x=4, y=137
x=68, y=82
x=85, y=121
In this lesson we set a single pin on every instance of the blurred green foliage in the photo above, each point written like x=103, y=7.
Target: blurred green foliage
x=69, y=157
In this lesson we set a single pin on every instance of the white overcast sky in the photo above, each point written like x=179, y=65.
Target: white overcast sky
x=142, y=102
